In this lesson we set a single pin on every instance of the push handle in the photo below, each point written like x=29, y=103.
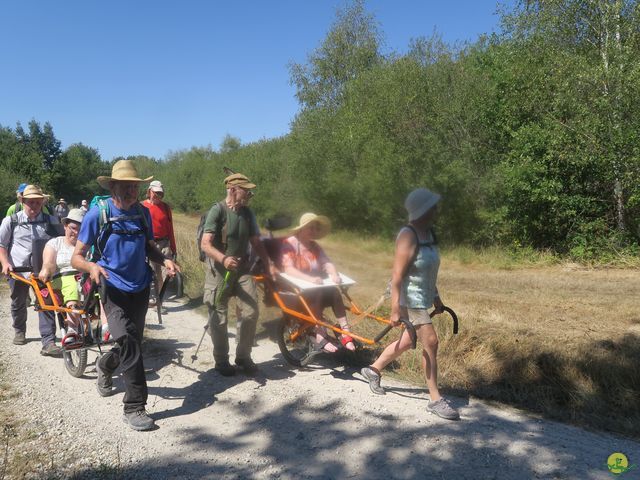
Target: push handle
x=454, y=317
x=407, y=325
x=26, y=269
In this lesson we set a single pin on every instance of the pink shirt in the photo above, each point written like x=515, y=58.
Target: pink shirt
x=308, y=260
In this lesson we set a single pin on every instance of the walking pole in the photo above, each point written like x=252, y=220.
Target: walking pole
x=195, y=355
x=217, y=300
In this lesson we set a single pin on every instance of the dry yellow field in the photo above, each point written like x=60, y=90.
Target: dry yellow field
x=560, y=340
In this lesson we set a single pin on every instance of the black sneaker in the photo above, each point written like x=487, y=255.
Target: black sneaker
x=249, y=367
x=51, y=350
x=225, y=369
x=19, y=339
x=139, y=420
x=104, y=383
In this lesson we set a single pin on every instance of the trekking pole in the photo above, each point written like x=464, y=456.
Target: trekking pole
x=195, y=355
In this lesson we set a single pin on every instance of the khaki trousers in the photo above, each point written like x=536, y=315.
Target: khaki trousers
x=217, y=293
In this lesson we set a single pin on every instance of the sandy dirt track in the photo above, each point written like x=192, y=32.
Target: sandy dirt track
x=287, y=423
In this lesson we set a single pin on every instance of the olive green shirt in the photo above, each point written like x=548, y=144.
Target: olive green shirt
x=241, y=226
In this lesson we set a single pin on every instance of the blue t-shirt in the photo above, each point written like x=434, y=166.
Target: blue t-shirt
x=124, y=255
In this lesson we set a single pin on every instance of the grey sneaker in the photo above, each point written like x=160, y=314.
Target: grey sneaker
x=442, y=409
x=19, y=339
x=139, y=420
x=371, y=376
x=104, y=383
x=51, y=350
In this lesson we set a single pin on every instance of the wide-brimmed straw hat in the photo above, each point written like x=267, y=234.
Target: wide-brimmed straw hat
x=33, y=191
x=122, y=171
x=419, y=202
x=74, y=215
x=324, y=224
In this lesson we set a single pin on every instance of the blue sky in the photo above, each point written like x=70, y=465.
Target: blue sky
x=152, y=76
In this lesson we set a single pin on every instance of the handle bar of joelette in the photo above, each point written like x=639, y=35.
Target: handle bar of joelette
x=407, y=325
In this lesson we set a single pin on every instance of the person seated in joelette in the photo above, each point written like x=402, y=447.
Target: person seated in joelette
x=56, y=264
x=303, y=258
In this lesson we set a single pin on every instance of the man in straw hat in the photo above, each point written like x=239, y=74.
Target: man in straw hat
x=20, y=234
x=61, y=209
x=229, y=228
x=123, y=240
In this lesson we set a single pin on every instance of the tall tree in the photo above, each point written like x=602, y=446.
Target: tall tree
x=351, y=47
x=603, y=36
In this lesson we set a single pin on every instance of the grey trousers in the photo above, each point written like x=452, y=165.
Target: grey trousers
x=244, y=289
x=46, y=320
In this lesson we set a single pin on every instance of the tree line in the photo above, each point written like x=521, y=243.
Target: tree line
x=530, y=134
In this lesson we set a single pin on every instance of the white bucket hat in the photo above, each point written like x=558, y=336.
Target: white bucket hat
x=156, y=186
x=74, y=215
x=419, y=202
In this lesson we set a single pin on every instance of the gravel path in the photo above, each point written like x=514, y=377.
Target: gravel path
x=287, y=423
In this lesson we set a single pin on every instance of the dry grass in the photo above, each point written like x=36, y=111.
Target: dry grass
x=549, y=336
x=559, y=340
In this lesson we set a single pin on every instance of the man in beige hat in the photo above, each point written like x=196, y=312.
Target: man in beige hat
x=162, y=220
x=121, y=232
x=229, y=228
x=61, y=209
x=21, y=234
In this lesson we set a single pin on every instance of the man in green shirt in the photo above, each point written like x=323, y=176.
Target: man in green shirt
x=230, y=227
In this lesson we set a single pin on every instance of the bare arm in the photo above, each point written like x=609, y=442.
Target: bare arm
x=48, y=264
x=332, y=271
x=405, y=247
x=80, y=263
x=7, y=266
x=156, y=256
x=228, y=262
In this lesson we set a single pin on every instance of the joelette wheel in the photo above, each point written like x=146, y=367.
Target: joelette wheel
x=75, y=361
x=294, y=341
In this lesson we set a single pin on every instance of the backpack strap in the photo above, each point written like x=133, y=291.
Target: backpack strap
x=106, y=229
x=223, y=211
x=419, y=244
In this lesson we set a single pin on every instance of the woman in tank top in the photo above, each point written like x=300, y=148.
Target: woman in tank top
x=413, y=292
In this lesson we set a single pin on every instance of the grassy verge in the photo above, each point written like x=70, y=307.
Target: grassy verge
x=537, y=332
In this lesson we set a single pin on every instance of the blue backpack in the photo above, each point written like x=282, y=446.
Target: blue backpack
x=106, y=224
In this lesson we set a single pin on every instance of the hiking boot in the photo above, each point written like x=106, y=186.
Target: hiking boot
x=373, y=377
x=139, y=420
x=225, y=369
x=19, y=338
x=51, y=350
x=249, y=367
x=104, y=383
x=442, y=409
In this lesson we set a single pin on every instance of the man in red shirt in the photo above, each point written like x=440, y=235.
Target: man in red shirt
x=162, y=226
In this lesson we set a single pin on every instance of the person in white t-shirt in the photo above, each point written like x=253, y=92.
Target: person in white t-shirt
x=56, y=266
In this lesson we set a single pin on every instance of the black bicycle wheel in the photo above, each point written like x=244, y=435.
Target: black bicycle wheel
x=75, y=361
x=293, y=351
